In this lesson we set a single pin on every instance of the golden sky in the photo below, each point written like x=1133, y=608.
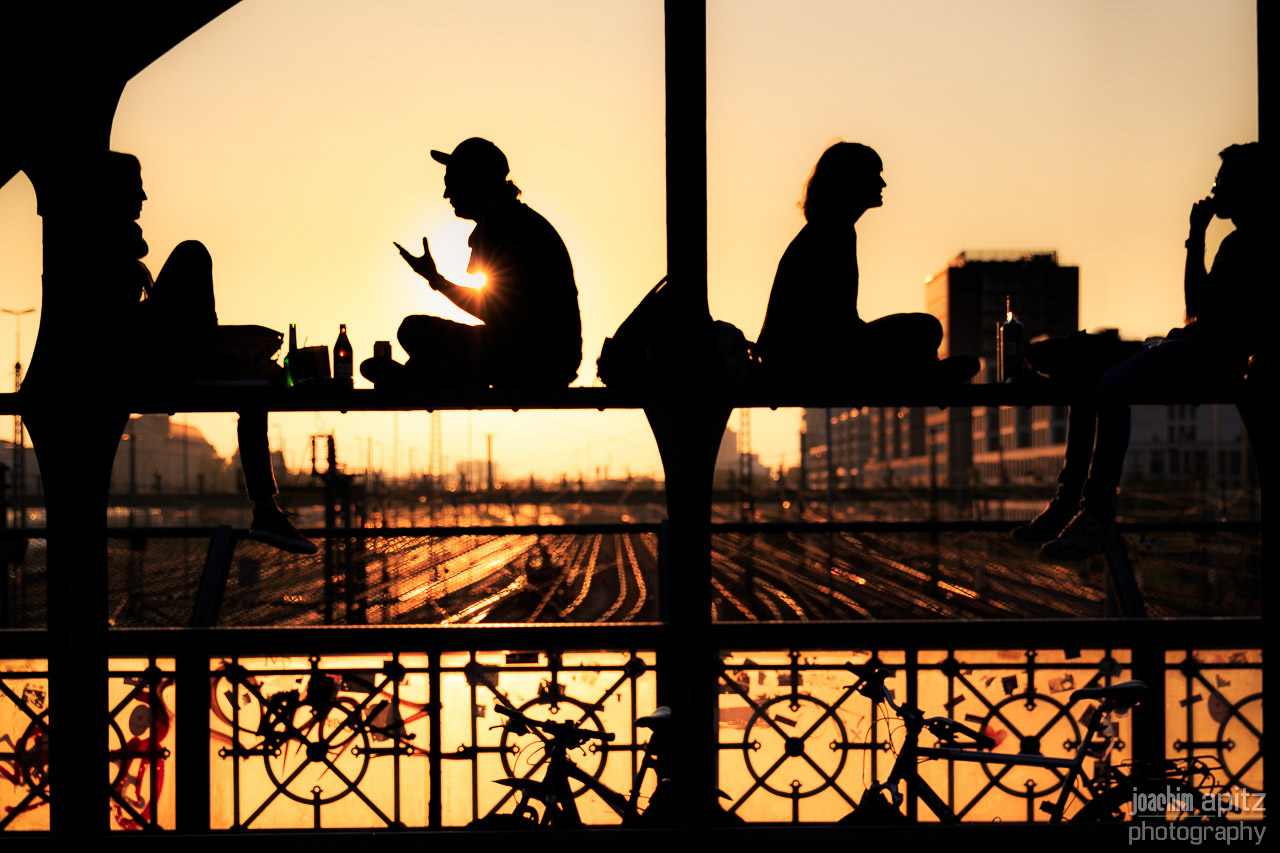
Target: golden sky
x=291, y=136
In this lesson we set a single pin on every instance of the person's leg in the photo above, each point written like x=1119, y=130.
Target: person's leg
x=1092, y=529
x=423, y=336
x=1082, y=422
x=255, y=458
x=182, y=314
x=1181, y=360
x=269, y=523
x=903, y=343
x=1081, y=427
x=905, y=347
x=435, y=339
x=439, y=350
x=1076, y=362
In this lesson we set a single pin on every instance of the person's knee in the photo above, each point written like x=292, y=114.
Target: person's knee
x=411, y=331
x=923, y=333
x=931, y=330
x=195, y=249
x=1119, y=381
x=1115, y=386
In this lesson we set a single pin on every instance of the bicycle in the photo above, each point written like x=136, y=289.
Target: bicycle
x=553, y=793
x=1106, y=794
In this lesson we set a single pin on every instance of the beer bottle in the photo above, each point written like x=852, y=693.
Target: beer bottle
x=290, y=356
x=343, y=367
x=1010, y=345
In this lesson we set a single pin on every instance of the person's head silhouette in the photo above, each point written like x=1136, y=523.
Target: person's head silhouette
x=475, y=178
x=1238, y=189
x=845, y=183
x=121, y=192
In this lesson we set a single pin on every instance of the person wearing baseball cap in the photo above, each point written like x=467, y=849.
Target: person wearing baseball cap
x=532, y=332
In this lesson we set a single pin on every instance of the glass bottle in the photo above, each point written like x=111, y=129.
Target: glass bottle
x=291, y=356
x=1010, y=345
x=343, y=366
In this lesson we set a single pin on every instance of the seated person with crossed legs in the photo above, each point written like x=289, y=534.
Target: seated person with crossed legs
x=532, y=333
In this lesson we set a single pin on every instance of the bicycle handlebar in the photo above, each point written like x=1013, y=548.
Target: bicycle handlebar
x=944, y=728
x=872, y=683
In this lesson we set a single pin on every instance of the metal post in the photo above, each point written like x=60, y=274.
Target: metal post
x=686, y=425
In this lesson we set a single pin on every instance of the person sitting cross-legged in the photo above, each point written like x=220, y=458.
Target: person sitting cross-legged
x=531, y=335
x=812, y=332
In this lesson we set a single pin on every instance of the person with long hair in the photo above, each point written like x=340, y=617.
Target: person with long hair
x=173, y=323
x=812, y=331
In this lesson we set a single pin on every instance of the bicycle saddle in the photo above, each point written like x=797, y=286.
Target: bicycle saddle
x=660, y=718
x=1126, y=694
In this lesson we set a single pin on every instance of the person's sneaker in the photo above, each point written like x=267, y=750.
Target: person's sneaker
x=272, y=528
x=1048, y=524
x=1083, y=537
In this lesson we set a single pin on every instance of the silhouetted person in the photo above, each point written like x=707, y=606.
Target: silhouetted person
x=532, y=334
x=1225, y=326
x=174, y=325
x=812, y=330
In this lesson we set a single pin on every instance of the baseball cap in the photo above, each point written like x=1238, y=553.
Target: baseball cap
x=477, y=157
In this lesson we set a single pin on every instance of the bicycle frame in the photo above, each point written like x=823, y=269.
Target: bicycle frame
x=554, y=790
x=905, y=767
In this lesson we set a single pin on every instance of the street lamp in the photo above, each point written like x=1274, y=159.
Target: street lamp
x=17, y=347
x=19, y=439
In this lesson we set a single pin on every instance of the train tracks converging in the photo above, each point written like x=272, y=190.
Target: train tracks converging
x=541, y=574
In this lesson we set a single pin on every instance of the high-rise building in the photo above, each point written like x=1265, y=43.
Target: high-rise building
x=918, y=447
x=968, y=297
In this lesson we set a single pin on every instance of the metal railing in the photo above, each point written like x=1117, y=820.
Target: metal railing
x=315, y=728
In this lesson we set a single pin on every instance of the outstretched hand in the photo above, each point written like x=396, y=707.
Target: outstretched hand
x=424, y=266
x=1201, y=214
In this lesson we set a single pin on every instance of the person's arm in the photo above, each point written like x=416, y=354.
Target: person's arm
x=1195, y=277
x=469, y=299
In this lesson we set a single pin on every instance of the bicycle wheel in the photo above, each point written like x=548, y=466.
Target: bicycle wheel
x=874, y=809
x=1156, y=798
x=1108, y=807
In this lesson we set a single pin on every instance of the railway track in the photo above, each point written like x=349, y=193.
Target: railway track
x=612, y=577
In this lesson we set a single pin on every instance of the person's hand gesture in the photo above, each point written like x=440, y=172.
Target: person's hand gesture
x=424, y=266
x=1201, y=213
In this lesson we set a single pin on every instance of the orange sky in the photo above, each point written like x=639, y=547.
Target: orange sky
x=291, y=137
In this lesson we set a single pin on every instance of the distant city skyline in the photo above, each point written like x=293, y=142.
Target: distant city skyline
x=292, y=138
